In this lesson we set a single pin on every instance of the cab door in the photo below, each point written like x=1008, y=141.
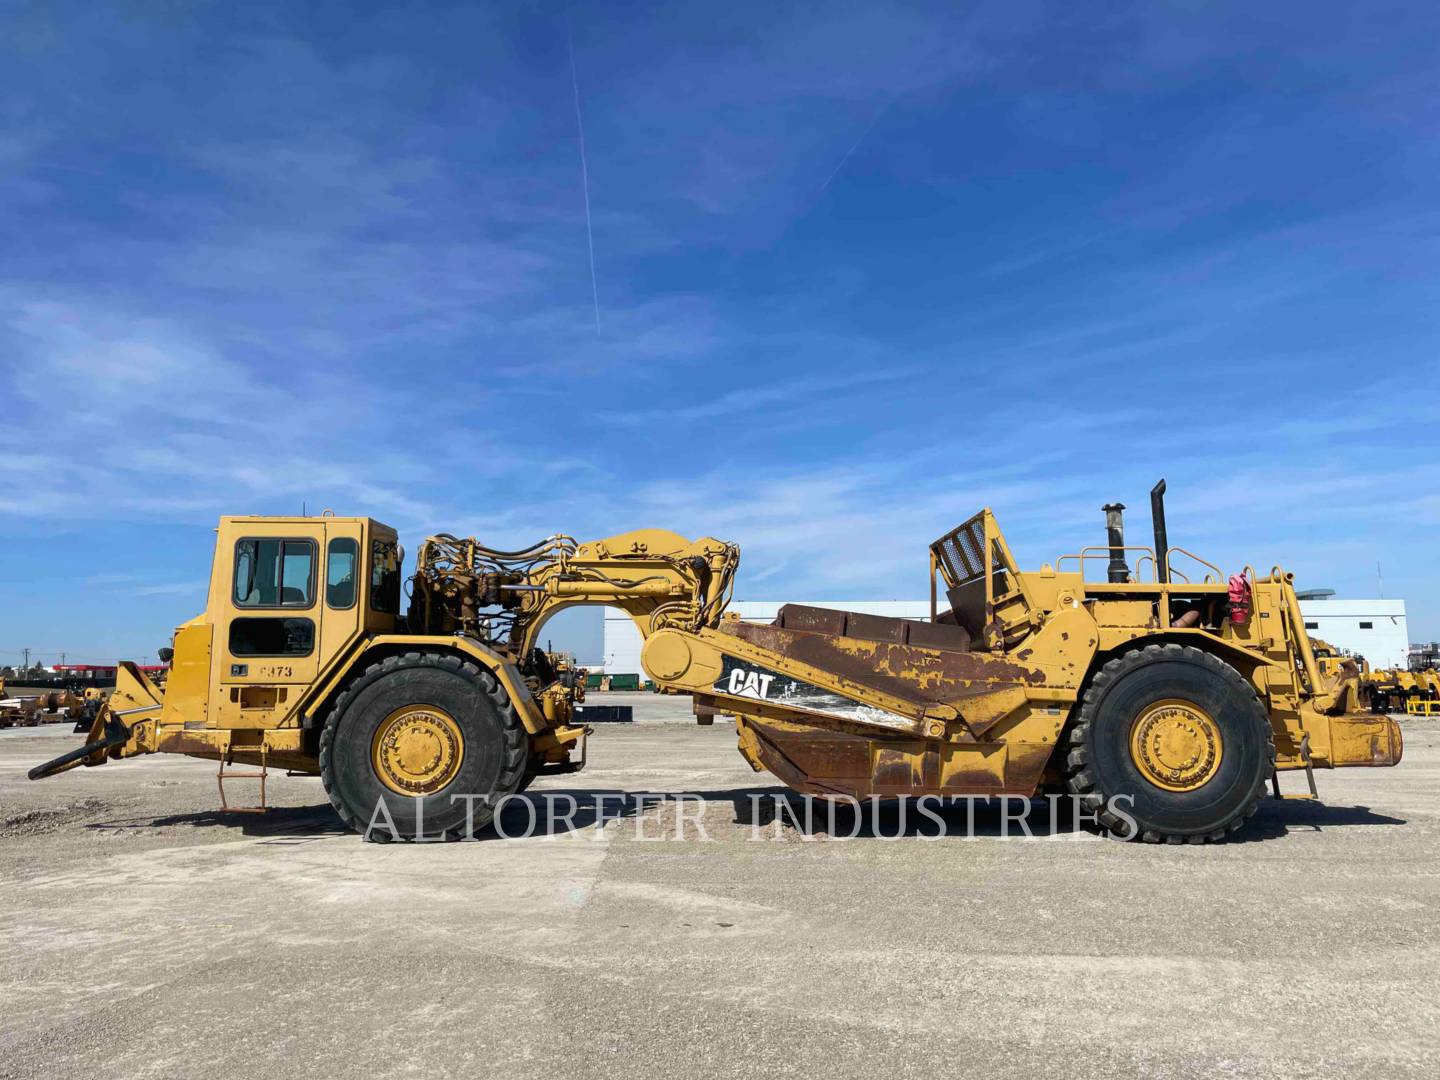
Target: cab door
x=268, y=644
x=344, y=593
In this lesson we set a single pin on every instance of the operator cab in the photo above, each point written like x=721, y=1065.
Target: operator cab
x=287, y=596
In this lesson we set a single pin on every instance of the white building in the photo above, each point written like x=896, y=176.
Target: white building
x=1374, y=629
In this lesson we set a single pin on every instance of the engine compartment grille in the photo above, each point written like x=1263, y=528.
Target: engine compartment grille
x=960, y=553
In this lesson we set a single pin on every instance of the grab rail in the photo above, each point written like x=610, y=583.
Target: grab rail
x=1184, y=578
x=1102, y=551
x=1219, y=576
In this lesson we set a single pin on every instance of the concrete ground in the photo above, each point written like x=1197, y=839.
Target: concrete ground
x=148, y=935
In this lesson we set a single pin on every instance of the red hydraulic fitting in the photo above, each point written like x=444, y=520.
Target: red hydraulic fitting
x=1239, y=599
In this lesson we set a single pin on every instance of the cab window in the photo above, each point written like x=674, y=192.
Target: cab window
x=273, y=636
x=274, y=573
x=340, y=559
x=385, y=576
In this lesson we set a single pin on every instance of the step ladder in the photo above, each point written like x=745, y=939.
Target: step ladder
x=222, y=775
x=1309, y=776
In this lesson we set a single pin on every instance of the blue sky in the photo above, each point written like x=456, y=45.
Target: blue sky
x=860, y=270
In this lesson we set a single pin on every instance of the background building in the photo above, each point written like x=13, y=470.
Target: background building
x=1374, y=629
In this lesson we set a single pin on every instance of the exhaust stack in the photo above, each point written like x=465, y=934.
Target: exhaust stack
x=1115, y=537
x=1162, y=539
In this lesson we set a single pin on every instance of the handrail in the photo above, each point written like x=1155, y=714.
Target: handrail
x=1102, y=551
x=1184, y=579
x=1190, y=554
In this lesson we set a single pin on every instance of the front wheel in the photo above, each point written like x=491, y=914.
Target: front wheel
x=1174, y=740
x=426, y=742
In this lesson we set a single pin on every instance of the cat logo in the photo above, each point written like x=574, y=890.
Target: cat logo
x=754, y=684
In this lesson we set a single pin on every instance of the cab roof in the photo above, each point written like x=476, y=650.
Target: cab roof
x=299, y=519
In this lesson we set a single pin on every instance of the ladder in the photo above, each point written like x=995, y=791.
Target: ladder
x=222, y=775
x=1309, y=775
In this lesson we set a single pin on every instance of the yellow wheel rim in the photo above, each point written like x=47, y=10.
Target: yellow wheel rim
x=1176, y=745
x=417, y=750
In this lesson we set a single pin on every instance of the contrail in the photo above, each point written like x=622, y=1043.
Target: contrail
x=584, y=170
x=868, y=128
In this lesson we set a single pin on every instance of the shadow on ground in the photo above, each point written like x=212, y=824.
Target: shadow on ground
x=276, y=821
x=1277, y=817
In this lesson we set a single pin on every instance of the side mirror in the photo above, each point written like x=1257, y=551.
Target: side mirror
x=166, y=655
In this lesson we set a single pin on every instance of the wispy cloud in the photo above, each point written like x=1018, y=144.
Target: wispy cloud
x=801, y=396
x=192, y=589
x=171, y=426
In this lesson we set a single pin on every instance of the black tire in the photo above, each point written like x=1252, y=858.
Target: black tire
x=526, y=779
x=1102, y=768
x=495, y=746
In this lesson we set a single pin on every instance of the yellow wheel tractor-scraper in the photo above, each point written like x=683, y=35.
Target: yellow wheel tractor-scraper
x=1176, y=700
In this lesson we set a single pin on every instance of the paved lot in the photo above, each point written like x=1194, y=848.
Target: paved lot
x=147, y=935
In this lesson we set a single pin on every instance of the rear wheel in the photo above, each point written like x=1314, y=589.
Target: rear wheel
x=416, y=732
x=1175, y=739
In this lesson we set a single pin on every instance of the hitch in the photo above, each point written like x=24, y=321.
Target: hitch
x=115, y=733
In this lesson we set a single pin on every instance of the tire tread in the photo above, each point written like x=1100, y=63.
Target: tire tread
x=1081, y=782
x=514, y=755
